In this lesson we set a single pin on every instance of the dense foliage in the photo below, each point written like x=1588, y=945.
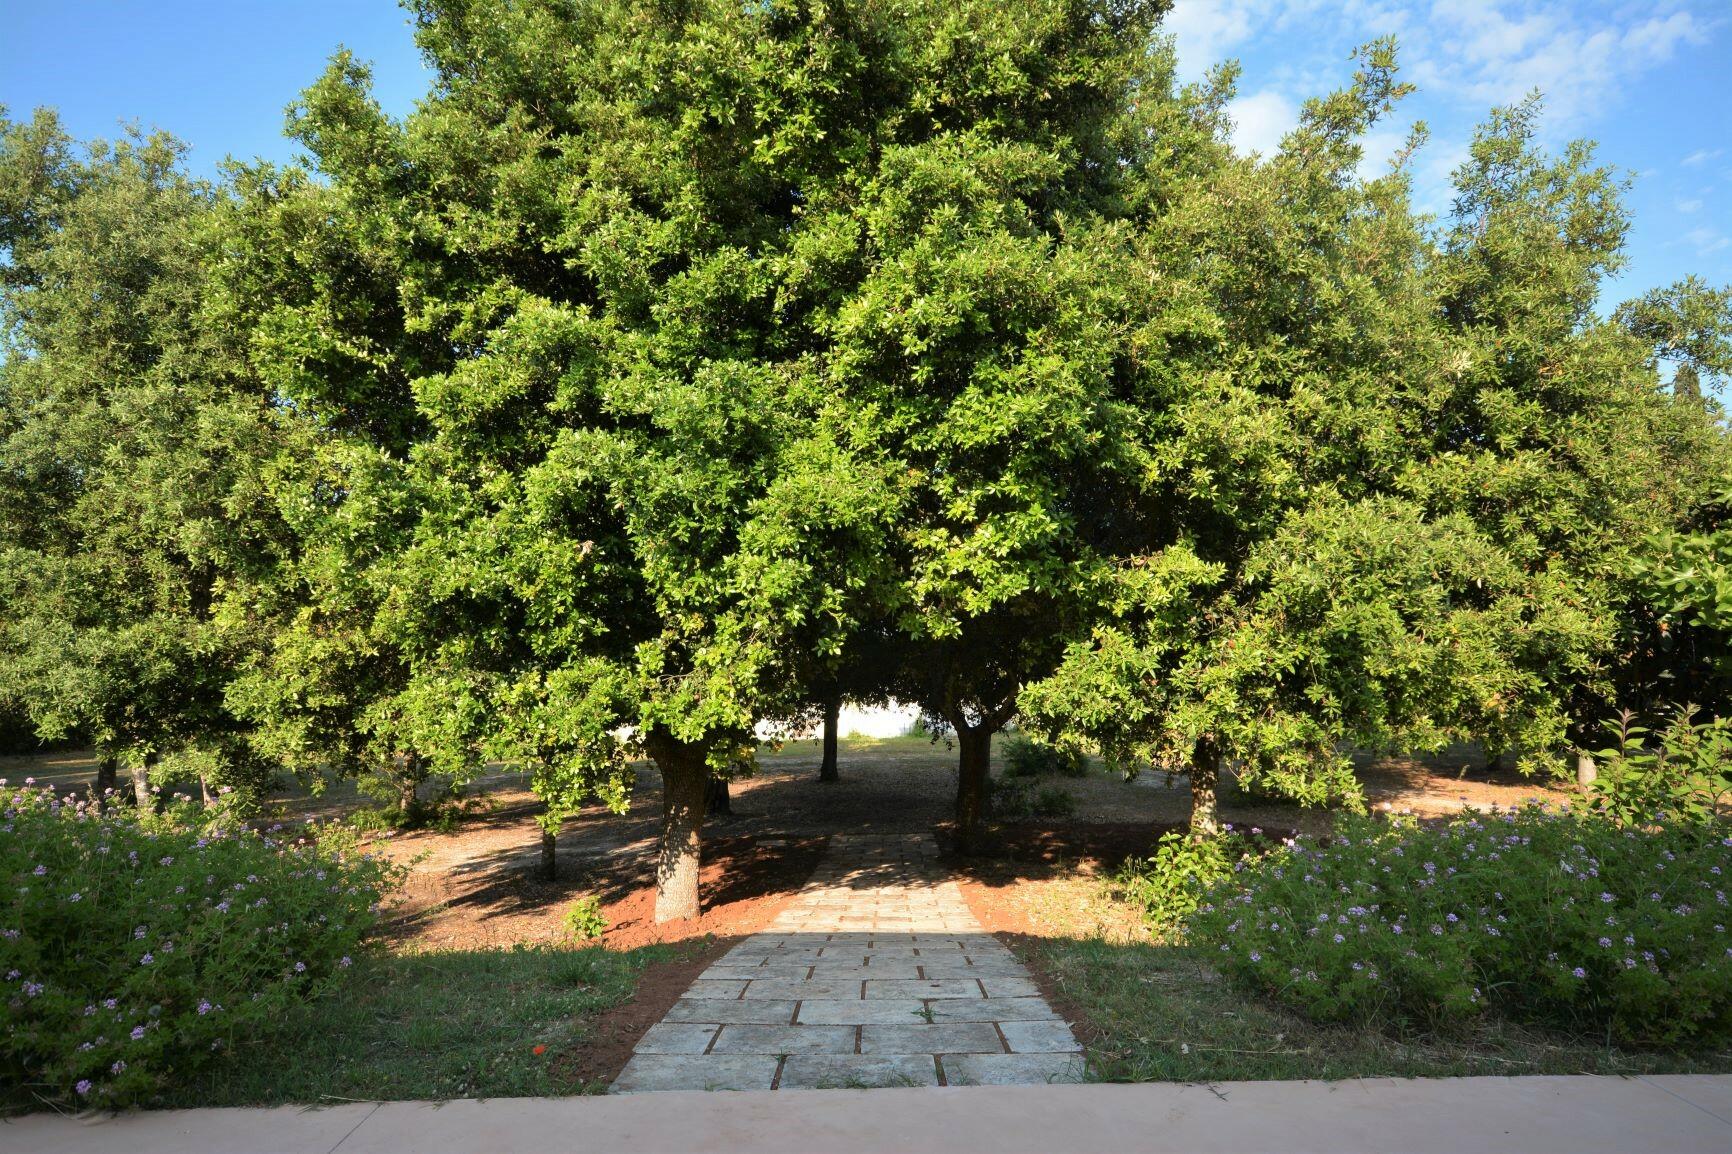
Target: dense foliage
x=671, y=372
x=136, y=944
x=1540, y=914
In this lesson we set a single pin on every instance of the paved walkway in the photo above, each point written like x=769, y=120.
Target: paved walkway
x=1682, y=1114
x=875, y=975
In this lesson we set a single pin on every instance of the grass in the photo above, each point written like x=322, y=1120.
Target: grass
x=1162, y=1014
x=437, y=1025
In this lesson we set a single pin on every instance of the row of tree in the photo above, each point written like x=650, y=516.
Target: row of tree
x=677, y=368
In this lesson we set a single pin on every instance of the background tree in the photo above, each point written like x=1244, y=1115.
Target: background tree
x=1398, y=476
x=131, y=440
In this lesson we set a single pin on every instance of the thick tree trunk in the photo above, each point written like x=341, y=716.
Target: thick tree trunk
x=974, y=768
x=1205, y=772
x=827, y=768
x=549, y=863
x=685, y=777
x=107, y=773
x=1586, y=771
x=717, y=799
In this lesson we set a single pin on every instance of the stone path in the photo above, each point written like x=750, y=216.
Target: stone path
x=876, y=975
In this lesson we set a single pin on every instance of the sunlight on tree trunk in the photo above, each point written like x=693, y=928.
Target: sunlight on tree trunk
x=1205, y=772
x=1586, y=771
x=685, y=777
x=549, y=863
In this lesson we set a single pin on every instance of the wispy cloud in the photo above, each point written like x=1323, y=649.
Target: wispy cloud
x=1700, y=157
x=1706, y=240
x=1261, y=120
x=1688, y=206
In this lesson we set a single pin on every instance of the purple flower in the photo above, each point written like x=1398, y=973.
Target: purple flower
x=117, y=1068
x=83, y=1086
x=1606, y=943
x=345, y=962
x=204, y=1007
x=147, y=959
x=1579, y=972
x=40, y=870
x=137, y=1033
x=300, y=967
x=1255, y=956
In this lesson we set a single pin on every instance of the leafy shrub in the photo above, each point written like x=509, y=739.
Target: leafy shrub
x=1684, y=771
x=1024, y=756
x=1543, y=914
x=1171, y=885
x=1054, y=801
x=134, y=945
x=584, y=921
x=1008, y=798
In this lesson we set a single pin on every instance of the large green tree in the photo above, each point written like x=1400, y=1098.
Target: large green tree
x=130, y=447
x=1400, y=471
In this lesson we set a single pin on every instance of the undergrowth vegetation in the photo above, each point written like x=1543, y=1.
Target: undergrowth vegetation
x=1543, y=914
x=135, y=945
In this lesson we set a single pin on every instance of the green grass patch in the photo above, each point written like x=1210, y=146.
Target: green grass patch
x=1165, y=1015
x=438, y=1025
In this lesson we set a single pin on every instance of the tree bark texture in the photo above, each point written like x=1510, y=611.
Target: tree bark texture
x=1205, y=773
x=685, y=778
x=549, y=863
x=1586, y=771
x=107, y=773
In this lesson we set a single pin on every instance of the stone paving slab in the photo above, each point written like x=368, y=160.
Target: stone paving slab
x=875, y=975
x=856, y=1071
x=1011, y=1069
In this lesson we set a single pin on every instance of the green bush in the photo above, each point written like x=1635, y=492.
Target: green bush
x=584, y=921
x=1542, y=914
x=1054, y=801
x=1024, y=756
x=1684, y=771
x=135, y=945
x=1171, y=885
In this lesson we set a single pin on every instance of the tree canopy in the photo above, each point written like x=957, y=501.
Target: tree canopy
x=672, y=371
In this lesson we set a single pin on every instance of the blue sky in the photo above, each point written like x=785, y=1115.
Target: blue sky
x=1651, y=81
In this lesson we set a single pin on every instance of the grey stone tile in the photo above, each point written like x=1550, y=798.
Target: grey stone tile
x=921, y=988
x=752, y=1039
x=1010, y=988
x=858, y=1012
x=852, y=1071
x=718, y=1011
x=714, y=989
x=990, y=969
x=800, y=991
x=751, y=973
x=993, y=1010
x=675, y=1038
x=840, y=971
x=1039, y=1037
x=695, y=1072
x=1011, y=1069
x=921, y=1038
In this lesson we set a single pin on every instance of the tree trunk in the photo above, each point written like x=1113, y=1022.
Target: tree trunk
x=1586, y=771
x=827, y=768
x=716, y=798
x=1205, y=771
x=408, y=786
x=685, y=777
x=141, y=783
x=974, y=768
x=549, y=863
x=203, y=790
x=107, y=773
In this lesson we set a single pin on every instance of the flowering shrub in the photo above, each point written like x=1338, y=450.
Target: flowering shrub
x=1543, y=914
x=133, y=945
x=1171, y=885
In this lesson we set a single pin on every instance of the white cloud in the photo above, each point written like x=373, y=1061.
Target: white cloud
x=1688, y=206
x=1205, y=32
x=1706, y=240
x=1261, y=120
x=1700, y=157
